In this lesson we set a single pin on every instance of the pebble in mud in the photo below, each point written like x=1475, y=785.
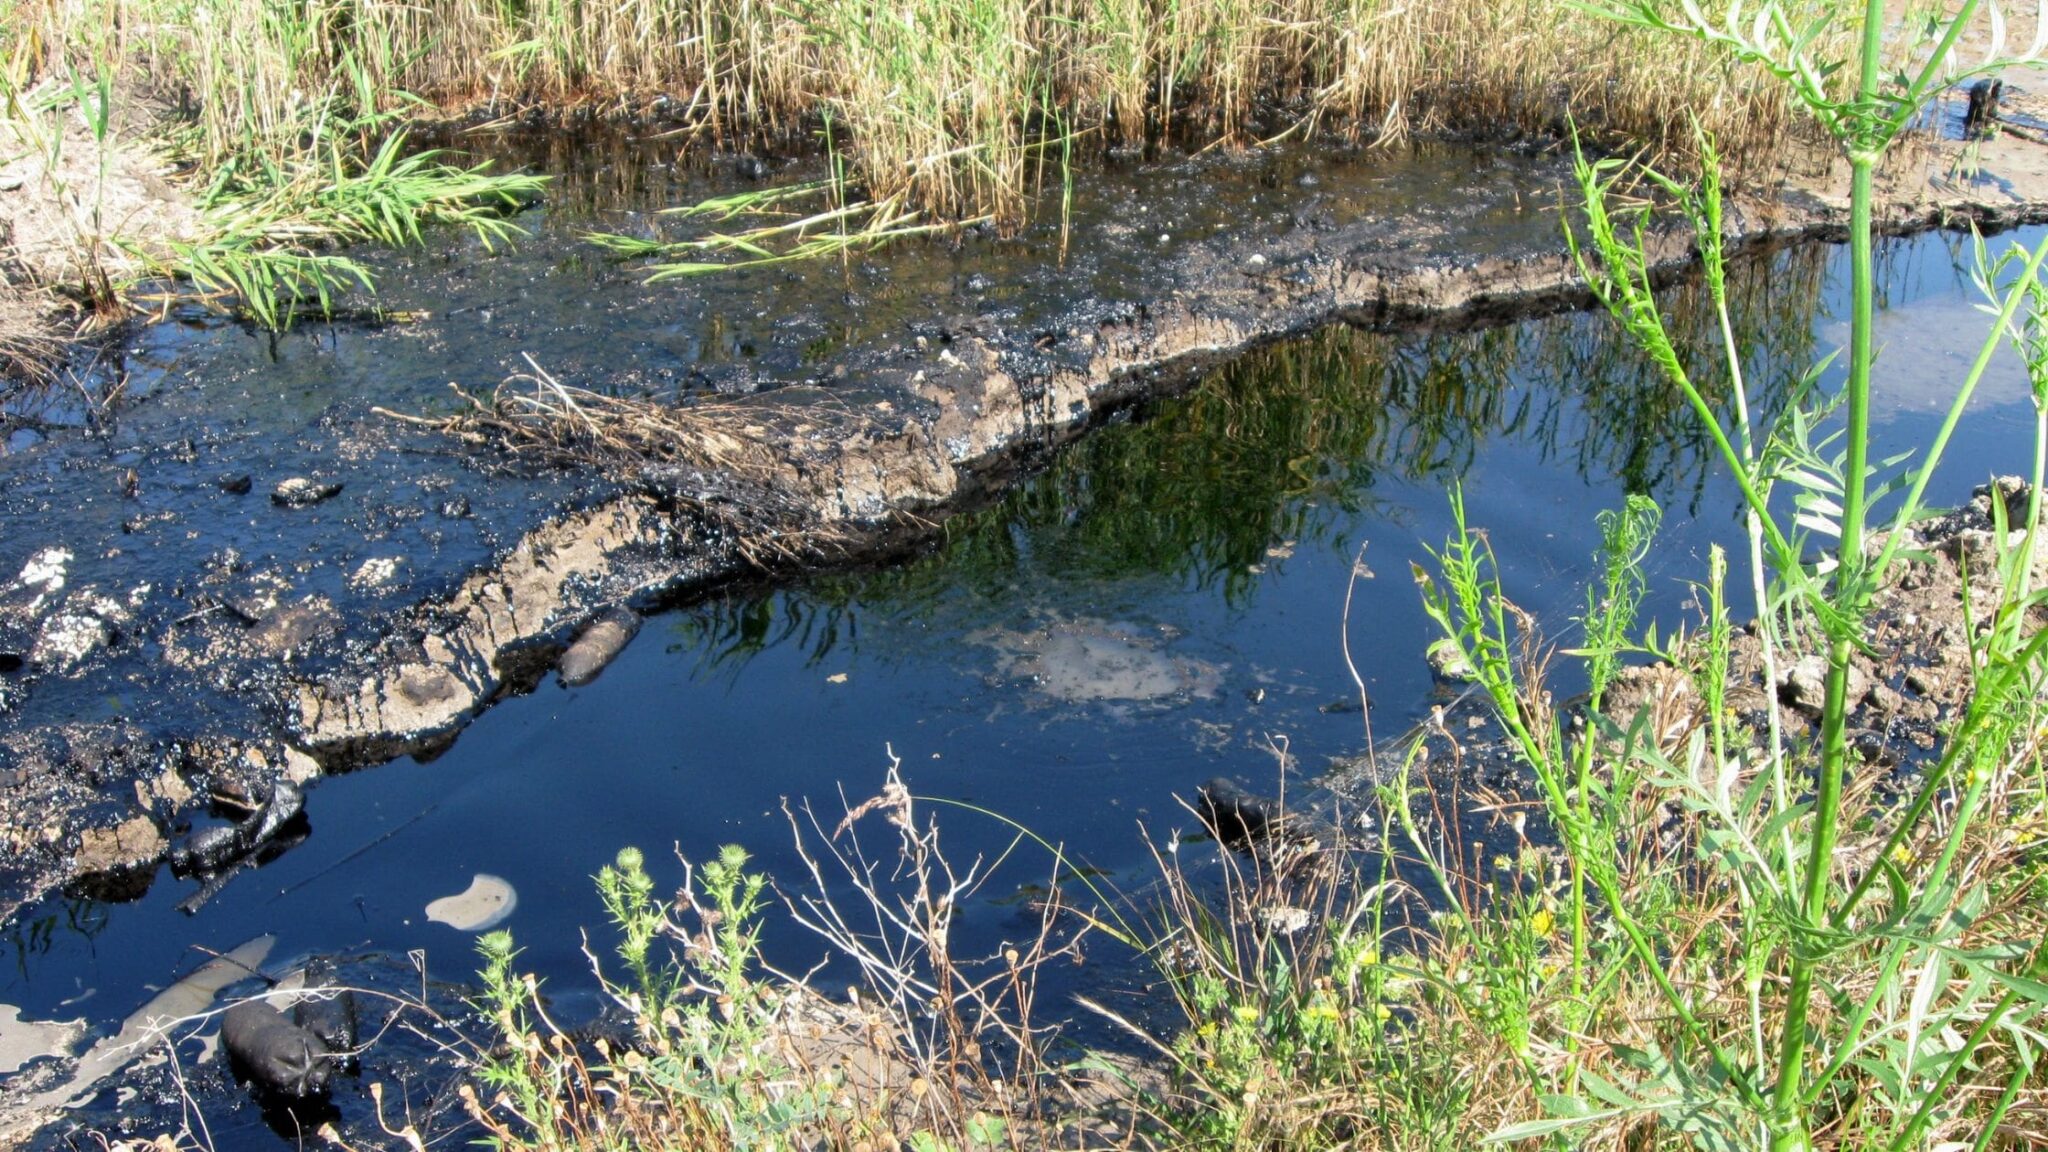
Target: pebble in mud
x=599, y=645
x=87, y=623
x=299, y=492
x=1448, y=664
x=1803, y=686
x=375, y=573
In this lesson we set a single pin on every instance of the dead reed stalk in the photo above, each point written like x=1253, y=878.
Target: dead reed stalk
x=725, y=462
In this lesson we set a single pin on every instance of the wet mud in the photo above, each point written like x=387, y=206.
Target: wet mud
x=175, y=634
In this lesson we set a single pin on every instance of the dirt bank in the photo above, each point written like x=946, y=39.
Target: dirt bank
x=410, y=608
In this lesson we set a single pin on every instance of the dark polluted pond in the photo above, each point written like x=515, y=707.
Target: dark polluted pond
x=1161, y=604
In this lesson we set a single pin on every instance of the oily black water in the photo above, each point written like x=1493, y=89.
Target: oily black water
x=1163, y=603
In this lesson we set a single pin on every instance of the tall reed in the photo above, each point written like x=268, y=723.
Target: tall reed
x=938, y=99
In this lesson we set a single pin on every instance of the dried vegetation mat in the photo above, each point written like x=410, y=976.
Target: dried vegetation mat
x=735, y=466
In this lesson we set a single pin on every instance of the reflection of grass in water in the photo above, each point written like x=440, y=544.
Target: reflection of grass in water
x=1289, y=443
x=1635, y=426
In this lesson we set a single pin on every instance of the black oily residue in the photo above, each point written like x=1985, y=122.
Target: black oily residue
x=1230, y=517
x=134, y=487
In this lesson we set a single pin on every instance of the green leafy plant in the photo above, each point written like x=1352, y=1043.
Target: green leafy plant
x=703, y=1070
x=1851, y=970
x=273, y=224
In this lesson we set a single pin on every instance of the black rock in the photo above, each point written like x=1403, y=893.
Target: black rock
x=329, y=1014
x=274, y=1052
x=1982, y=114
x=236, y=484
x=298, y=492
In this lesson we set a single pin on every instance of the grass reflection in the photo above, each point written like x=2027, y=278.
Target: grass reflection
x=1292, y=443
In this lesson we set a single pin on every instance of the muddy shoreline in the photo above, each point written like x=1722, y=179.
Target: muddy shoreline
x=881, y=443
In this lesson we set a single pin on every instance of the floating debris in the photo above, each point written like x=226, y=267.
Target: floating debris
x=139, y=1035
x=484, y=904
x=599, y=645
x=1080, y=660
x=24, y=1040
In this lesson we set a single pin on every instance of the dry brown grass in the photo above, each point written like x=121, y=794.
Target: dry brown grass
x=730, y=464
x=31, y=345
x=943, y=99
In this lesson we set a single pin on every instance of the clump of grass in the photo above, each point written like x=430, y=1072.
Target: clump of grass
x=272, y=225
x=840, y=228
x=932, y=1051
x=1610, y=965
x=706, y=1062
x=304, y=172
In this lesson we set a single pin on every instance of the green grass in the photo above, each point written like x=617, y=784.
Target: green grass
x=1697, y=931
x=938, y=101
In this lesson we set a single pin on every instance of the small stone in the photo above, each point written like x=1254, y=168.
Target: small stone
x=1285, y=918
x=299, y=492
x=44, y=576
x=456, y=508
x=1804, y=685
x=1447, y=662
x=598, y=646
x=172, y=789
x=290, y=628
x=271, y=1050
x=1870, y=745
x=1919, y=683
x=236, y=484
x=377, y=572
x=68, y=639
x=2012, y=491
x=132, y=842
